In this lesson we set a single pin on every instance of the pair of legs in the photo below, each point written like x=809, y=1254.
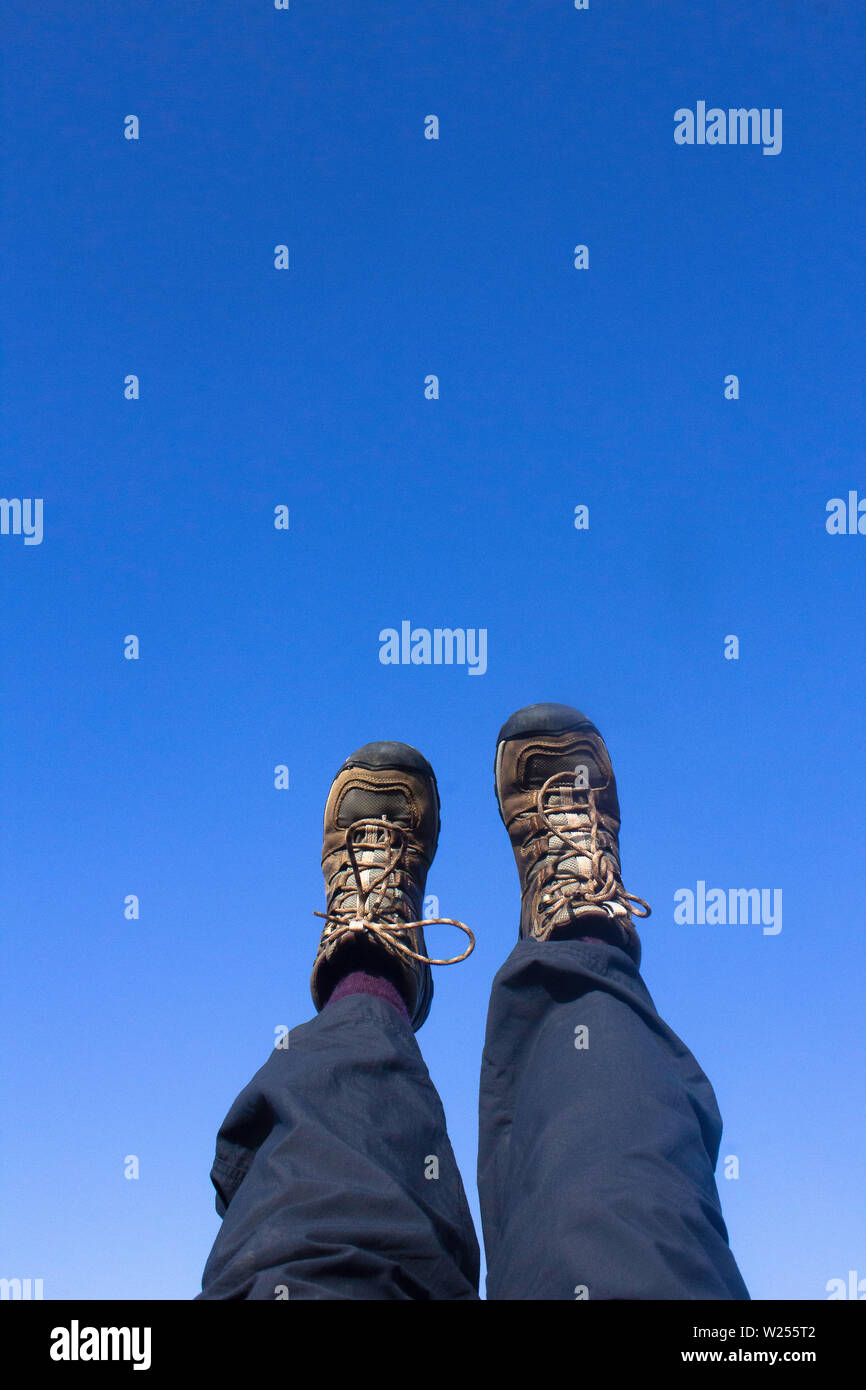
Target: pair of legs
x=599, y=1132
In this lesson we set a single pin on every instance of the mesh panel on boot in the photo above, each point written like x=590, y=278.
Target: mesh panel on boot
x=540, y=766
x=365, y=803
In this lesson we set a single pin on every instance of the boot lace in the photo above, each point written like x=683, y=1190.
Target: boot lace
x=577, y=828
x=381, y=908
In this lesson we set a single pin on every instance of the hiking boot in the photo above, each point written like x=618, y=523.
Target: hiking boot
x=381, y=831
x=557, y=797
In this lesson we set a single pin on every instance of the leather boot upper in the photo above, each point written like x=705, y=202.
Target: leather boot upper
x=558, y=798
x=381, y=829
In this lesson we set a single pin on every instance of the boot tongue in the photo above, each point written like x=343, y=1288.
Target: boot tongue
x=373, y=849
x=567, y=804
x=570, y=808
x=576, y=824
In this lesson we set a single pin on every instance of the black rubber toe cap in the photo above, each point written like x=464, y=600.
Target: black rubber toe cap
x=544, y=719
x=389, y=754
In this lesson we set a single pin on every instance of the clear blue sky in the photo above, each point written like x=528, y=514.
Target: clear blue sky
x=305, y=387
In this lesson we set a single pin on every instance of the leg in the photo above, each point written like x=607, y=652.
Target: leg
x=599, y=1138
x=324, y=1177
x=599, y=1131
x=334, y=1174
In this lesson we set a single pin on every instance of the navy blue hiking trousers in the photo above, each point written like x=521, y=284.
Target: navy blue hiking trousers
x=598, y=1141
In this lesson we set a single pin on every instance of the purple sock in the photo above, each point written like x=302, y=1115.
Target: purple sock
x=360, y=982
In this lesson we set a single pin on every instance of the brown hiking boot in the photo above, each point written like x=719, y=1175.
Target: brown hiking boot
x=381, y=831
x=557, y=796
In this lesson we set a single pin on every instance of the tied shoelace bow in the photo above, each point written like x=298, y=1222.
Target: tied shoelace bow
x=377, y=898
x=603, y=884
